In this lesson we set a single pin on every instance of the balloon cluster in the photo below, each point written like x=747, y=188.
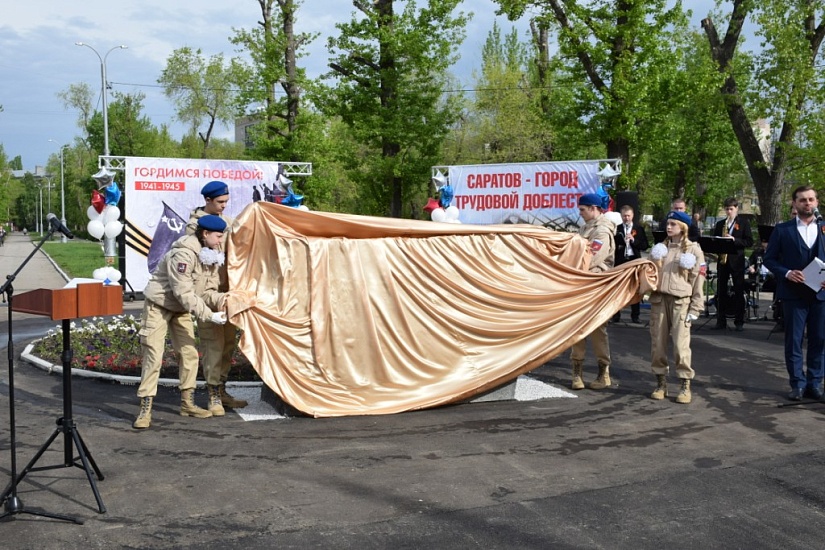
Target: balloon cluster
x=442, y=210
x=607, y=181
x=107, y=274
x=104, y=219
x=104, y=222
x=289, y=198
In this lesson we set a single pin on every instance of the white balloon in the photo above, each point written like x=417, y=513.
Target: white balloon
x=111, y=214
x=96, y=229
x=112, y=274
x=99, y=273
x=452, y=213
x=91, y=213
x=112, y=229
x=303, y=207
x=439, y=215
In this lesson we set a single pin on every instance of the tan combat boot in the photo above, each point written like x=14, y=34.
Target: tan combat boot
x=661, y=388
x=144, y=419
x=188, y=407
x=578, y=383
x=215, y=406
x=684, y=393
x=602, y=381
x=229, y=401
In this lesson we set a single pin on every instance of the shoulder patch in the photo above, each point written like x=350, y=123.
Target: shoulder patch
x=703, y=270
x=182, y=267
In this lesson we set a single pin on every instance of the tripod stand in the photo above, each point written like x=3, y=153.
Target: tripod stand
x=61, y=304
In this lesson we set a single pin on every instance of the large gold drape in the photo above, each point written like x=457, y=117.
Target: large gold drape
x=349, y=315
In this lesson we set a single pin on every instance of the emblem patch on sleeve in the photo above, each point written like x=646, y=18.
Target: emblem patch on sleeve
x=703, y=270
x=182, y=267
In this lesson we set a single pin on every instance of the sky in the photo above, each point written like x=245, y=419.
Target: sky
x=39, y=58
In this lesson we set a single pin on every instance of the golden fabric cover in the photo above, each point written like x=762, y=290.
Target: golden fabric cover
x=352, y=315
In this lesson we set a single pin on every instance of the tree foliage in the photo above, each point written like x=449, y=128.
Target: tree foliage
x=619, y=48
x=388, y=67
x=204, y=91
x=787, y=90
x=507, y=110
x=275, y=47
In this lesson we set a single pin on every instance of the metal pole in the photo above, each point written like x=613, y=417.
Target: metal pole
x=40, y=224
x=62, y=195
x=103, y=87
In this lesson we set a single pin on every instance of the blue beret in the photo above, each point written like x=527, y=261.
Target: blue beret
x=590, y=199
x=679, y=217
x=211, y=222
x=215, y=189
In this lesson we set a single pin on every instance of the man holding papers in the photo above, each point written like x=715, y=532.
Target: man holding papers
x=793, y=250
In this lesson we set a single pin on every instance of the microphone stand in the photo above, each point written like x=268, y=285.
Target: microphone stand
x=13, y=504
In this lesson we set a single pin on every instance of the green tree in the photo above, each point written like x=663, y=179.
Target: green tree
x=275, y=48
x=787, y=91
x=618, y=47
x=131, y=133
x=26, y=203
x=508, y=109
x=687, y=148
x=204, y=91
x=389, y=70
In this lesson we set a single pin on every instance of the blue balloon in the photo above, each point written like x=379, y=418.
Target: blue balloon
x=446, y=196
x=602, y=192
x=112, y=193
x=293, y=200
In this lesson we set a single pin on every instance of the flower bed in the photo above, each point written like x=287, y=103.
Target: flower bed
x=112, y=345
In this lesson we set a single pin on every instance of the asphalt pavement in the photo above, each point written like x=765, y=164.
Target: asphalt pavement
x=739, y=467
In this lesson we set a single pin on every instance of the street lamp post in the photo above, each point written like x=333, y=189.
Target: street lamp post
x=62, y=194
x=103, y=88
x=40, y=223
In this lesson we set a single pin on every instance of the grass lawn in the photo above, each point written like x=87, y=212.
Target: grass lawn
x=75, y=257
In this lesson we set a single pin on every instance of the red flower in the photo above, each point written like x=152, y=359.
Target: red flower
x=736, y=227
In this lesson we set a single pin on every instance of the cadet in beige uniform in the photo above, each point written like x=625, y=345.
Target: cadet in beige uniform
x=678, y=301
x=185, y=284
x=600, y=232
x=218, y=341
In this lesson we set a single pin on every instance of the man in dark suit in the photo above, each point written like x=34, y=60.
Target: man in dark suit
x=631, y=241
x=793, y=245
x=732, y=266
x=679, y=205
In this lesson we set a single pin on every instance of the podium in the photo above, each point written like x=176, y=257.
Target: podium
x=83, y=300
x=65, y=304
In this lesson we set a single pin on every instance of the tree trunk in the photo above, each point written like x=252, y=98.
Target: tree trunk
x=541, y=41
x=291, y=85
x=388, y=94
x=768, y=175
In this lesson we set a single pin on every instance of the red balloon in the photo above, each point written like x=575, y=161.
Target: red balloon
x=432, y=204
x=98, y=201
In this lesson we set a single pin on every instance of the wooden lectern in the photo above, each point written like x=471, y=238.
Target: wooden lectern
x=65, y=304
x=84, y=300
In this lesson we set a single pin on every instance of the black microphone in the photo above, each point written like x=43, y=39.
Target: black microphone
x=57, y=226
x=817, y=215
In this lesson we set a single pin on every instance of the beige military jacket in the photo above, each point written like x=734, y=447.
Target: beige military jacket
x=681, y=282
x=192, y=226
x=603, y=230
x=183, y=283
